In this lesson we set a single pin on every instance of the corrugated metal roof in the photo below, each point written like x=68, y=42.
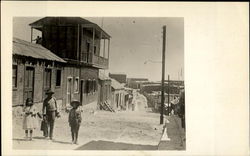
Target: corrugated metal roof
x=24, y=48
x=65, y=21
x=116, y=85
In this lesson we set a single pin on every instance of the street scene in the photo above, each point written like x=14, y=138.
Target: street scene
x=98, y=83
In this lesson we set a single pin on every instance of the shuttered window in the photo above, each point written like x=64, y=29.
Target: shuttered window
x=14, y=76
x=47, y=78
x=58, y=78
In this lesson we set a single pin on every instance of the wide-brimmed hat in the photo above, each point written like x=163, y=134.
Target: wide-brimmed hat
x=76, y=102
x=49, y=91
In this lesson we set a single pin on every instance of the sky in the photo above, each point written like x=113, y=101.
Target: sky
x=135, y=46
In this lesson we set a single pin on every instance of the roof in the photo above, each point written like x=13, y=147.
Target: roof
x=116, y=85
x=118, y=73
x=66, y=21
x=24, y=48
x=138, y=79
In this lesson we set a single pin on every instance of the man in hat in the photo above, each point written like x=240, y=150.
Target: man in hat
x=50, y=111
x=75, y=120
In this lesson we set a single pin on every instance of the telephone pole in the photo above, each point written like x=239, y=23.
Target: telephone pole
x=163, y=74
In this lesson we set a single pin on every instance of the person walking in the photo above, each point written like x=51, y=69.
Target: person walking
x=50, y=112
x=75, y=120
x=30, y=121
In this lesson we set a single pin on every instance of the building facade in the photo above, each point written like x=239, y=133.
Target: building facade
x=34, y=70
x=85, y=48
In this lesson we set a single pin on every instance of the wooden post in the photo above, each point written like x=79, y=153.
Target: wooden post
x=104, y=48
x=163, y=75
x=168, y=94
x=78, y=42
x=100, y=43
x=108, y=47
x=93, y=48
x=31, y=35
x=108, y=52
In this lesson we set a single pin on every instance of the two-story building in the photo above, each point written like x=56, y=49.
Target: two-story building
x=85, y=48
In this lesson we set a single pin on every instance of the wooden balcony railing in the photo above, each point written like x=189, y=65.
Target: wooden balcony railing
x=97, y=61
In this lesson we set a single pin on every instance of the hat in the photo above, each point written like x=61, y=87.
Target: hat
x=49, y=91
x=75, y=102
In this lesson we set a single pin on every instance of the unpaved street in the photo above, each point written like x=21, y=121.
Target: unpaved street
x=137, y=129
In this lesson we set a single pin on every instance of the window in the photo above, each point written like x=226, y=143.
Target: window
x=29, y=77
x=58, y=78
x=94, y=49
x=90, y=86
x=47, y=78
x=94, y=86
x=14, y=76
x=76, y=85
x=88, y=46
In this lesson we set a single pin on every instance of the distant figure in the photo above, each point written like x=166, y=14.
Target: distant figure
x=181, y=109
x=30, y=121
x=75, y=120
x=38, y=40
x=174, y=102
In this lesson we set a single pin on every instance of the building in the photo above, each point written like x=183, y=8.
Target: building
x=118, y=94
x=34, y=70
x=121, y=78
x=105, y=89
x=85, y=48
x=136, y=83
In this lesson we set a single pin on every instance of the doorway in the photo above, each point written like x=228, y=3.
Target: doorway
x=69, y=90
x=81, y=91
x=29, y=83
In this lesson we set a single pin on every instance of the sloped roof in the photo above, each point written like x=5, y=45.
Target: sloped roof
x=116, y=85
x=24, y=48
x=65, y=21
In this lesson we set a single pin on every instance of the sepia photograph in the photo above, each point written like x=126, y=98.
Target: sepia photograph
x=124, y=78
x=98, y=83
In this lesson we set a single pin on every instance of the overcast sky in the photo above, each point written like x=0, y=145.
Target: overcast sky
x=134, y=41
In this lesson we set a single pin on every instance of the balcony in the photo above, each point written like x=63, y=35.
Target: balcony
x=94, y=60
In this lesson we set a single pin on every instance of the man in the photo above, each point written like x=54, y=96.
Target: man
x=50, y=111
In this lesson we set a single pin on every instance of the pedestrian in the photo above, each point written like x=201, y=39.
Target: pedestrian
x=181, y=109
x=30, y=121
x=75, y=120
x=50, y=112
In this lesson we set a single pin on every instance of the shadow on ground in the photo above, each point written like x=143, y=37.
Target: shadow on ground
x=109, y=145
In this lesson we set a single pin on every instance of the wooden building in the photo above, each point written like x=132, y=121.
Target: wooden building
x=105, y=90
x=121, y=78
x=85, y=47
x=118, y=94
x=34, y=70
x=136, y=83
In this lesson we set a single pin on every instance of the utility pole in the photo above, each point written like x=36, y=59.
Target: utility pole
x=168, y=95
x=163, y=74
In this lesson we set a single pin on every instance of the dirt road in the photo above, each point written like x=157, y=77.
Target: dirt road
x=128, y=128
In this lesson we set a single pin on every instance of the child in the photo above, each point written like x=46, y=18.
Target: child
x=30, y=120
x=44, y=126
x=75, y=120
